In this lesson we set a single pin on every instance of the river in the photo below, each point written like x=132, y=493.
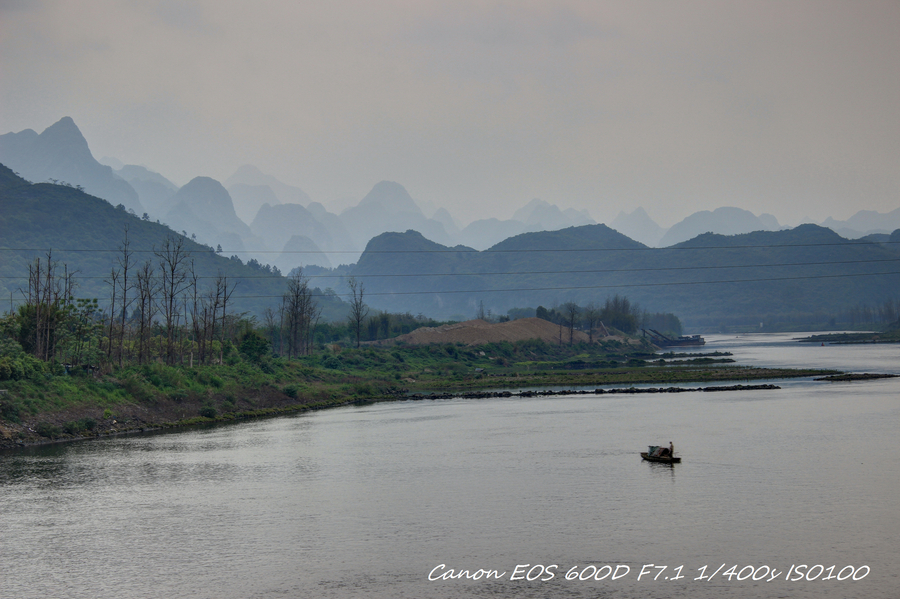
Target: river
x=797, y=485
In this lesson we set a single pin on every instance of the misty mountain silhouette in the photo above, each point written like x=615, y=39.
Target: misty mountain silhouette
x=538, y=215
x=389, y=207
x=250, y=175
x=203, y=206
x=301, y=251
x=248, y=199
x=639, y=226
x=282, y=223
x=61, y=152
x=725, y=221
x=154, y=190
x=865, y=222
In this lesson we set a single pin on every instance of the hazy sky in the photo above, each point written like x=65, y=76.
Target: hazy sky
x=785, y=107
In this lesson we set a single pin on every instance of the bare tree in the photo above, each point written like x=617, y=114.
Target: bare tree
x=146, y=288
x=195, y=306
x=358, y=308
x=124, y=260
x=222, y=282
x=172, y=256
x=45, y=294
x=272, y=325
x=300, y=314
x=591, y=315
x=571, y=312
x=113, y=282
x=209, y=310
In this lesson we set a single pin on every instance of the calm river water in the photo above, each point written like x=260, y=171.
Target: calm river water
x=371, y=501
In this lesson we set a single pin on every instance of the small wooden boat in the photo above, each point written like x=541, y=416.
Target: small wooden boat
x=665, y=459
x=662, y=454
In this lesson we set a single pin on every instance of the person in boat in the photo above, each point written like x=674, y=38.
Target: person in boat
x=664, y=452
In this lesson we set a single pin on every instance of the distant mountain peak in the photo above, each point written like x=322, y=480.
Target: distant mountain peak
x=61, y=152
x=65, y=133
x=392, y=196
x=251, y=175
x=445, y=218
x=204, y=183
x=66, y=123
x=639, y=226
x=525, y=212
x=726, y=220
x=248, y=170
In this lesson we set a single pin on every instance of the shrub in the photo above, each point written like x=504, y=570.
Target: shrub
x=9, y=412
x=253, y=346
x=332, y=363
x=208, y=412
x=46, y=429
x=137, y=388
x=21, y=367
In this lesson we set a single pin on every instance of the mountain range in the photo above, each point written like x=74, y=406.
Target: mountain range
x=62, y=153
x=711, y=281
x=260, y=219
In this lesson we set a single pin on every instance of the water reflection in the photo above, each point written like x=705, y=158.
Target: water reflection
x=366, y=501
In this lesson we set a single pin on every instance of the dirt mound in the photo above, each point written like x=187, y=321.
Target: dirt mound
x=477, y=332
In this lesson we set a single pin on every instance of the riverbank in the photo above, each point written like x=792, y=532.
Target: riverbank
x=892, y=336
x=63, y=407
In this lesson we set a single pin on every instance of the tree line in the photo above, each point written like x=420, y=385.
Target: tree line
x=162, y=310
x=156, y=310
x=616, y=313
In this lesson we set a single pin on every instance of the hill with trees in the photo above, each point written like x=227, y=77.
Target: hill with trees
x=85, y=236
x=802, y=276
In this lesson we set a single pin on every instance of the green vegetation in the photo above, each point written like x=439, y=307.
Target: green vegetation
x=170, y=333
x=51, y=403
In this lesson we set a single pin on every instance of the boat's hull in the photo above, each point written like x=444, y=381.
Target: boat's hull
x=661, y=459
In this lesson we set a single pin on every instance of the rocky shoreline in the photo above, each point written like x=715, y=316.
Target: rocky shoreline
x=856, y=376
x=549, y=392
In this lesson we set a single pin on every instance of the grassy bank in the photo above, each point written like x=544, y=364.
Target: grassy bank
x=57, y=405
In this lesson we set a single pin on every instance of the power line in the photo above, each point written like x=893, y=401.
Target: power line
x=569, y=288
x=531, y=272
x=474, y=251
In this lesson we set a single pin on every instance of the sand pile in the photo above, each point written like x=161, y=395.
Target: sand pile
x=477, y=332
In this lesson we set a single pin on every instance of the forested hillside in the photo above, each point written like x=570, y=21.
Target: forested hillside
x=793, y=277
x=86, y=236
x=801, y=275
